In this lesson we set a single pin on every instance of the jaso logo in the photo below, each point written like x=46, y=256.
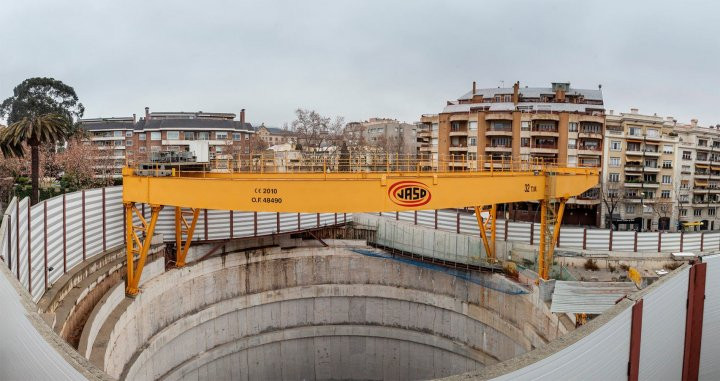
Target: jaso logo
x=409, y=193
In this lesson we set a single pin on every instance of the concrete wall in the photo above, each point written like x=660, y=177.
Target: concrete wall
x=334, y=309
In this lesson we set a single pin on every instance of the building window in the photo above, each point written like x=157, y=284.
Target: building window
x=572, y=161
x=667, y=163
x=118, y=134
x=119, y=142
x=247, y=136
x=173, y=135
x=711, y=212
x=142, y=149
x=652, y=133
x=247, y=149
x=218, y=149
x=155, y=149
x=635, y=131
x=204, y=135
x=614, y=177
x=473, y=126
x=524, y=142
x=237, y=136
x=686, y=155
x=128, y=134
x=665, y=194
x=667, y=148
x=614, y=161
x=155, y=136
x=629, y=208
x=697, y=212
x=683, y=212
x=189, y=135
x=472, y=141
x=615, y=145
x=572, y=127
x=525, y=125
x=702, y=142
x=434, y=141
x=128, y=143
x=572, y=143
x=667, y=179
x=221, y=135
x=142, y=136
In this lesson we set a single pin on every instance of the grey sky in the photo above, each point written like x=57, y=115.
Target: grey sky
x=360, y=59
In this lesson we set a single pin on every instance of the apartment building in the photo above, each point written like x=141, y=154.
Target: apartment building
x=390, y=134
x=640, y=173
x=273, y=135
x=559, y=124
x=136, y=139
x=699, y=176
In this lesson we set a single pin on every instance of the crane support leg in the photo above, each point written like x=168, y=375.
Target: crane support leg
x=183, y=227
x=547, y=244
x=489, y=244
x=134, y=244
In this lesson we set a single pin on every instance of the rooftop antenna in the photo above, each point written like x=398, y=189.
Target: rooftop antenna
x=502, y=83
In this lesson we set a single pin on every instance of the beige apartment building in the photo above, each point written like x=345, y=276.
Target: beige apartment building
x=390, y=135
x=638, y=187
x=559, y=124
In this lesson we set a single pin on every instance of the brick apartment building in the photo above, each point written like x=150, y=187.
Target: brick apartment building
x=136, y=139
x=558, y=123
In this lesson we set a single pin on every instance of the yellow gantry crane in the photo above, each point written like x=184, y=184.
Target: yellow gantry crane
x=344, y=183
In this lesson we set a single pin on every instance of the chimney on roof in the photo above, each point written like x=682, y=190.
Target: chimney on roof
x=242, y=118
x=147, y=113
x=634, y=111
x=474, y=87
x=693, y=122
x=516, y=93
x=134, y=117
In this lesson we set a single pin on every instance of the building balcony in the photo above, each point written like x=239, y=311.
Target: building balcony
x=652, y=153
x=458, y=132
x=106, y=138
x=181, y=142
x=701, y=175
x=641, y=184
x=544, y=148
x=424, y=134
x=591, y=135
x=589, y=151
x=544, y=133
x=110, y=147
x=632, y=152
x=499, y=148
x=499, y=132
x=425, y=148
x=457, y=148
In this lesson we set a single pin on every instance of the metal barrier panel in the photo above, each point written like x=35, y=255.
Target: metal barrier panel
x=327, y=219
x=93, y=222
x=519, y=231
x=308, y=220
x=598, y=239
x=218, y=224
x=289, y=222
x=243, y=224
x=55, y=238
x=446, y=220
x=623, y=241
x=647, y=241
x=9, y=247
x=601, y=355
x=22, y=227
x=691, y=241
x=114, y=217
x=710, y=344
x=670, y=242
x=711, y=242
x=468, y=225
x=662, y=341
x=267, y=223
x=37, y=250
x=406, y=216
x=569, y=237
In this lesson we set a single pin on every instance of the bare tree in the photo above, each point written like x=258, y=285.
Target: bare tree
x=612, y=195
x=314, y=131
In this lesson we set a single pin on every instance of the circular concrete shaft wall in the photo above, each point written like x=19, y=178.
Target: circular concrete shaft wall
x=317, y=314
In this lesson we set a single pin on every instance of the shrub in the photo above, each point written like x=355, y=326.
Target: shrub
x=591, y=265
x=672, y=266
x=612, y=268
x=624, y=267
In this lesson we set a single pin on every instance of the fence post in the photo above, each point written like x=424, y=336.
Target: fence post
x=702, y=241
x=17, y=238
x=660, y=242
x=635, y=244
x=298, y=215
x=682, y=240
x=45, y=270
x=232, y=225
x=532, y=233
x=397, y=216
x=103, y=221
x=415, y=218
x=506, y=229
x=436, y=218
x=83, y=223
x=64, y=226
x=206, y=223
x=457, y=221
x=29, y=250
x=335, y=218
x=610, y=240
x=584, y=243
x=635, y=336
x=9, y=243
x=255, y=224
x=317, y=224
x=694, y=321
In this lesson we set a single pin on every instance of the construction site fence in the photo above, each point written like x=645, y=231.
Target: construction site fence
x=41, y=243
x=571, y=237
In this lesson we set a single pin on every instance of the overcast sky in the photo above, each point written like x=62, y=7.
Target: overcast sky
x=361, y=59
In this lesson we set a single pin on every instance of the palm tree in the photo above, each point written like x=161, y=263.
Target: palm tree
x=33, y=131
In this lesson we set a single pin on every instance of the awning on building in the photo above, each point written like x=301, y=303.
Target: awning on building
x=699, y=183
x=695, y=223
x=701, y=165
x=588, y=297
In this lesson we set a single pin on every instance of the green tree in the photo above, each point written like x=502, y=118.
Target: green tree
x=40, y=96
x=33, y=131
